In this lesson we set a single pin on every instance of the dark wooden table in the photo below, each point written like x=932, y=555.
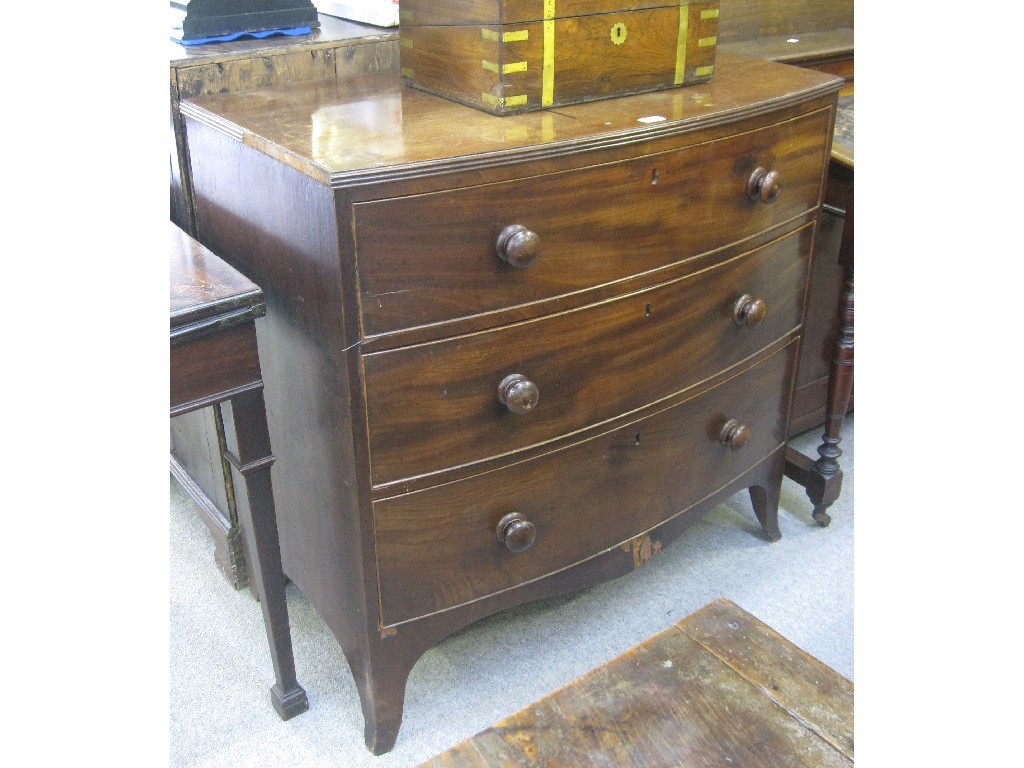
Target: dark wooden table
x=719, y=688
x=822, y=478
x=214, y=361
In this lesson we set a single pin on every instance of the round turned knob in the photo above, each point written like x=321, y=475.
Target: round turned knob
x=764, y=185
x=516, y=532
x=518, y=246
x=518, y=393
x=749, y=311
x=734, y=434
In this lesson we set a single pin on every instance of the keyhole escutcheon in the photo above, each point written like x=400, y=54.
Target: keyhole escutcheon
x=619, y=33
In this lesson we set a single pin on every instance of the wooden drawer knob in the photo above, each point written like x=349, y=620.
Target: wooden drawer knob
x=518, y=393
x=749, y=311
x=516, y=532
x=735, y=435
x=764, y=185
x=518, y=246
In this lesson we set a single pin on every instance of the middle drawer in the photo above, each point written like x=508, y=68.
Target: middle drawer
x=434, y=406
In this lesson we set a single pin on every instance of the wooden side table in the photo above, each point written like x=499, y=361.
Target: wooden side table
x=214, y=361
x=823, y=478
x=718, y=688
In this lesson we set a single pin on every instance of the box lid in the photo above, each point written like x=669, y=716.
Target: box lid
x=431, y=12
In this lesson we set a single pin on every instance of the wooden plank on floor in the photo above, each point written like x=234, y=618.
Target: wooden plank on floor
x=802, y=685
x=685, y=697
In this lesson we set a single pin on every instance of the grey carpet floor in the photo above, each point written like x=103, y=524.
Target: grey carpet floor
x=220, y=675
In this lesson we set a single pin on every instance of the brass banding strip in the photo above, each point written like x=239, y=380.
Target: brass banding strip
x=503, y=101
x=506, y=69
x=518, y=36
x=548, y=72
x=684, y=27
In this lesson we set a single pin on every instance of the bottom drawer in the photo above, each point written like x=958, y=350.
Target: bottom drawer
x=437, y=548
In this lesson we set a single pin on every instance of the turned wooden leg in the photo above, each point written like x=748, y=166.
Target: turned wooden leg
x=825, y=479
x=248, y=452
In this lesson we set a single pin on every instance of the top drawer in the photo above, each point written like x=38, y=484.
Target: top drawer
x=429, y=258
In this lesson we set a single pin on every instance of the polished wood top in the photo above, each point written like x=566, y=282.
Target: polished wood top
x=207, y=293
x=780, y=19
x=795, y=47
x=373, y=128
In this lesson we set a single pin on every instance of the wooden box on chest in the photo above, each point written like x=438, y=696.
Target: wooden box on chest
x=506, y=358
x=507, y=56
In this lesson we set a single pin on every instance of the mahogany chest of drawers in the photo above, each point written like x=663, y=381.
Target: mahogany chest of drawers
x=506, y=56
x=510, y=357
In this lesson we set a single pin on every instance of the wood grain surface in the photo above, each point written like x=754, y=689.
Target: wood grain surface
x=580, y=52
x=596, y=225
x=710, y=691
x=203, y=286
x=437, y=548
x=370, y=128
x=419, y=12
x=434, y=406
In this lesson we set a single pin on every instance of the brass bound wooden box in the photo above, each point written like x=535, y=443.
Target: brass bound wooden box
x=508, y=56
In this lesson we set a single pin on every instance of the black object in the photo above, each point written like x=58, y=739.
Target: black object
x=212, y=18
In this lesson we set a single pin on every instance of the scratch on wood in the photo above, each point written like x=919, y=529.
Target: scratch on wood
x=387, y=293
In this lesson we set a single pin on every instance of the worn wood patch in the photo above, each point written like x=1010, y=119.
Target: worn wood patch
x=796, y=681
x=672, y=701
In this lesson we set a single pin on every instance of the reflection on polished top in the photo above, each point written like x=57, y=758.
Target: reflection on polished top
x=373, y=127
x=205, y=291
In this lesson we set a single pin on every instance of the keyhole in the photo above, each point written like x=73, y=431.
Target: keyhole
x=654, y=177
x=647, y=311
x=619, y=33
x=638, y=439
